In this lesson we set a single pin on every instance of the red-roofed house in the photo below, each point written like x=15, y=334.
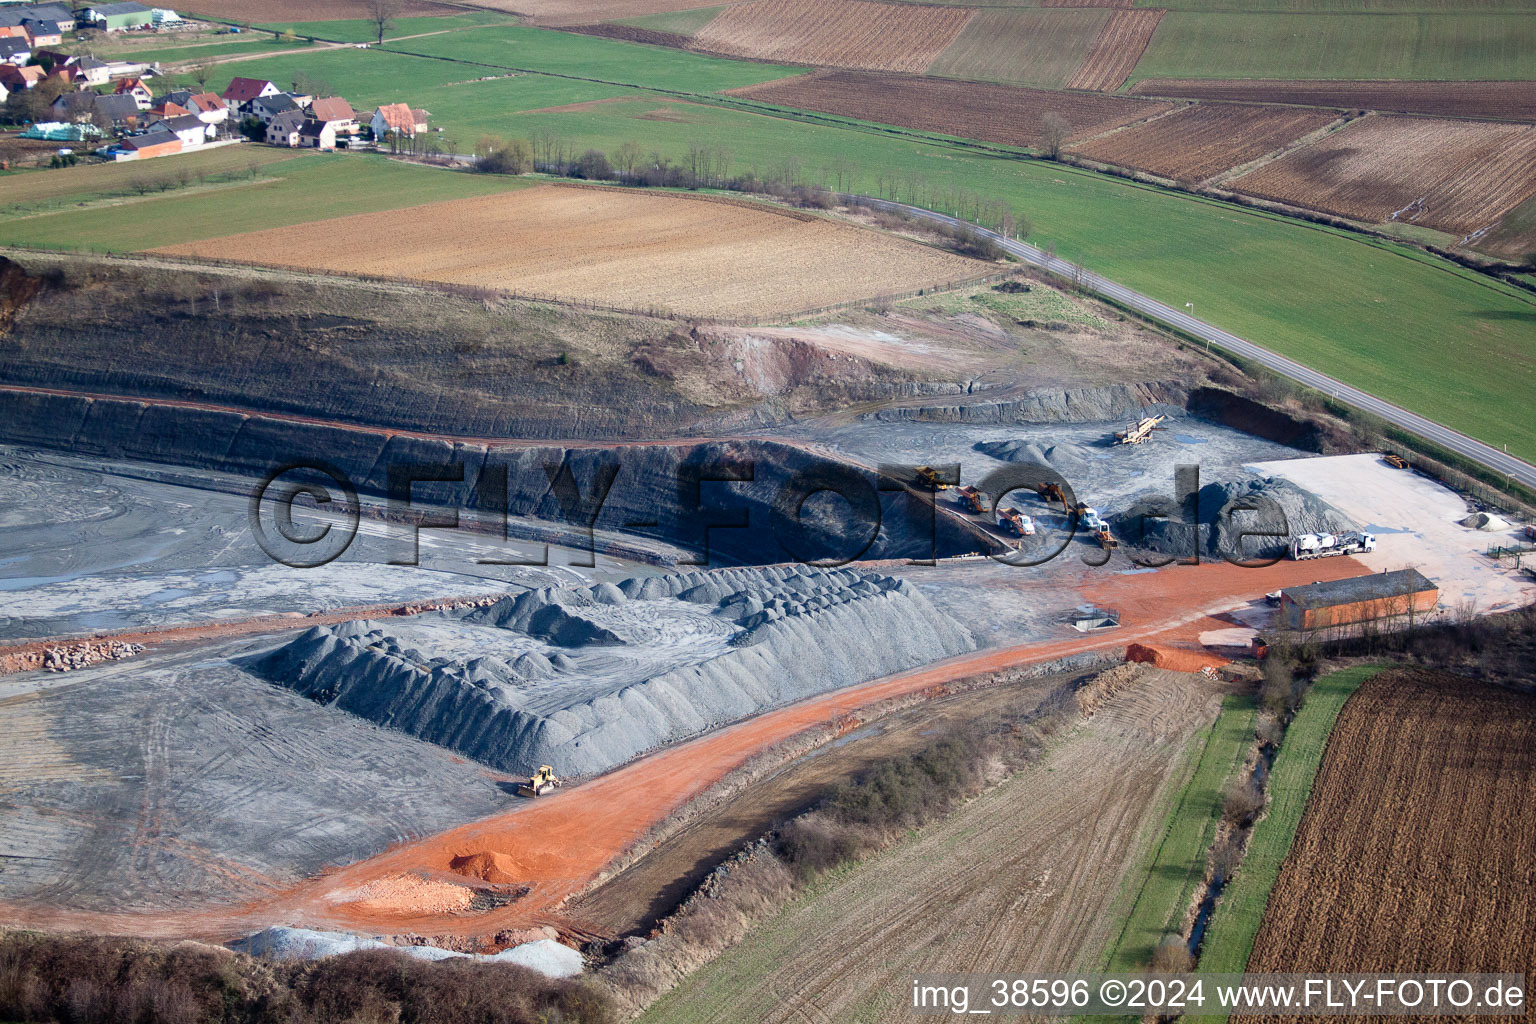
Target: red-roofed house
x=169, y=109
x=243, y=91
x=398, y=118
x=209, y=107
x=136, y=88
x=14, y=79
x=336, y=112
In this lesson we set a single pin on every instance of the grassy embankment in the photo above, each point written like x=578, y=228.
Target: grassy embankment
x=1235, y=924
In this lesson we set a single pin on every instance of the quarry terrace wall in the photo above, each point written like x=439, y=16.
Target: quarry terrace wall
x=733, y=498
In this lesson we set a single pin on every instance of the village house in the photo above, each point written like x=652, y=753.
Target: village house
x=242, y=92
x=136, y=88
x=283, y=130
x=336, y=112
x=188, y=128
x=43, y=32
x=60, y=15
x=398, y=118
x=208, y=107
x=15, y=79
x=265, y=108
x=15, y=50
x=317, y=135
x=121, y=112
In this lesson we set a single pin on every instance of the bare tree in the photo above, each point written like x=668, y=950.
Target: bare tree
x=381, y=14
x=627, y=158
x=200, y=73
x=1054, y=130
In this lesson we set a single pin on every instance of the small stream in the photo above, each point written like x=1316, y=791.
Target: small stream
x=1215, y=886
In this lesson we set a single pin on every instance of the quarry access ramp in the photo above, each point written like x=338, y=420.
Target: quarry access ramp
x=1484, y=455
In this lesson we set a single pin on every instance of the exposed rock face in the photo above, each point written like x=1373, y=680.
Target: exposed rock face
x=17, y=288
x=758, y=638
x=1280, y=508
x=1050, y=405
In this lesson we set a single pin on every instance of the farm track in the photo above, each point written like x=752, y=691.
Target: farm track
x=1019, y=879
x=1204, y=139
x=1117, y=50
x=1456, y=176
x=1416, y=850
x=1514, y=101
x=1009, y=115
x=834, y=33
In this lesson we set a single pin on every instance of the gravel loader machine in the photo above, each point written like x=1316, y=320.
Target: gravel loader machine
x=929, y=477
x=1325, y=545
x=971, y=499
x=540, y=783
x=1050, y=492
x=1139, y=432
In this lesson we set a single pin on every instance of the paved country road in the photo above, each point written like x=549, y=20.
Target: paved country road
x=1483, y=454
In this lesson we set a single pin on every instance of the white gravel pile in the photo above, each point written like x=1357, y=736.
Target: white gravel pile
x=546, y=956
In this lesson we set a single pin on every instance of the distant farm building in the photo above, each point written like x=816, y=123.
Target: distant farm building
x=118, y=17
x=1385, y=595
x=398, y=118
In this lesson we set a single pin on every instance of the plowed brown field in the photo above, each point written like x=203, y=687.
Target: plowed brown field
x=1515, y=101
x=1457, y=176
x=1417, y=849
x=691, y=256
x=1115, y=53
x=1205, y=139
x=834, y=33
x=1038, y=48
x=992, y=113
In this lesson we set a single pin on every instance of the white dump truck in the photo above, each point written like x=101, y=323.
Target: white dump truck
x=1322, y=545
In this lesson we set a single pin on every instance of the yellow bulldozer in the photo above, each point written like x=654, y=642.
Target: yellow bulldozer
x=541, y=782
x=1139, y=432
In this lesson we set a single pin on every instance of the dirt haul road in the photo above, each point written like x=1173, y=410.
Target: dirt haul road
x=558, y=845
x=1020, y=879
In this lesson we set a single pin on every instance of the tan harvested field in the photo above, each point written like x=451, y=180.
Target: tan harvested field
x=1117, y=49
x=1123, y=4
x=1021, y=879
x=265, y=11
x=1042, y=48
x=1416, y=851
x=1456, y=176
x=834, y=33
x=1514, y=101
x=633, y=899
x=586, y=12
x=1199, y=141
x=686, y=255
x=992, y=113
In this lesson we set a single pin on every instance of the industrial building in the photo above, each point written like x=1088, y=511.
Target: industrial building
x=1358, y=599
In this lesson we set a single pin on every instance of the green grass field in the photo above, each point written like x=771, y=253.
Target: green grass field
x=359, y=30
x=201, y=48
x=606, y=60
x=1235, y=924
x=1177, y=867
x=1224, y=44
x=31, y=192
x=293, y=192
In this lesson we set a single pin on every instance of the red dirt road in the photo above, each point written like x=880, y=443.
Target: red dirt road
x=561, y=843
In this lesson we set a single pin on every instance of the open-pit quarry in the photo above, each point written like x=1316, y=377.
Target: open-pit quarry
x=210, y=737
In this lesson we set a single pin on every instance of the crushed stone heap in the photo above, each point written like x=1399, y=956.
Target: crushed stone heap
x=586, y=678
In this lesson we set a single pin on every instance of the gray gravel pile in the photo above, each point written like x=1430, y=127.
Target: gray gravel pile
x=756, y=638
x=1067, y=459
x=1280, y=508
